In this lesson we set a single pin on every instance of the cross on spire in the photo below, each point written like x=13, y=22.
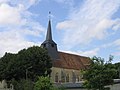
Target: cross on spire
x=49, y=15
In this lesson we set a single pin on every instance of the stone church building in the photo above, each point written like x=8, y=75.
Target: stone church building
x=66, y=67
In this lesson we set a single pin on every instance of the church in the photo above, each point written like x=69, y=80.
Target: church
x=66, y=67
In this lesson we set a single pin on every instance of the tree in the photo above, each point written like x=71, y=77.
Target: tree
x=117, y=67
x=43, y=83
x=99, y=74
x=31, y=63
x=23, y=84
x=6, y=66
x=37, y=58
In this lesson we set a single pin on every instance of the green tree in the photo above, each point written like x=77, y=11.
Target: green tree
x=99, y=74
x=36, y=61
x=117, y=67
x=30, y=63
x=22, y=84
x=43, y=83
x=6, y=66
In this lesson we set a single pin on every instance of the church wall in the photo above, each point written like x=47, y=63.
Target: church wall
x=61, y=75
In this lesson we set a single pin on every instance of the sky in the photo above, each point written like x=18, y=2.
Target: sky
x=84, y=27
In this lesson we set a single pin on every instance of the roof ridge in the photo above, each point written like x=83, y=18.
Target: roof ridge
x=72, y=54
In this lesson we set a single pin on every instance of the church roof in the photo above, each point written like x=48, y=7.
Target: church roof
x=71, y=61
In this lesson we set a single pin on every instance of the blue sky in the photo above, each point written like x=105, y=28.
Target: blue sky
x=83, y=27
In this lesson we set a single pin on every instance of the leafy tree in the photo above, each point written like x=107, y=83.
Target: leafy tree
x=22, y=84
x=99, y=74
x=44, y=83
x=36, y=61
x=31, y=63
x=6, y=66
x=117, y=67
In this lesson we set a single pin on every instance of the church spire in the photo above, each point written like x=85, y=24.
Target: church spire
x=49, y=44
x=49, y=34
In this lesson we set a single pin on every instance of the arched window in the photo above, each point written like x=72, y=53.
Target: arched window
x=67, y=78
x=62, y=77
x=78, y=79
x=56, y=77
x=52, y=45
x=44, y=45
x=73, y=77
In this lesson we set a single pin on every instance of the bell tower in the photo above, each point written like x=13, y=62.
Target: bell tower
x=49, y=44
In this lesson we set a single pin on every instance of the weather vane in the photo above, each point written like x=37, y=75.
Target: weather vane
x=49, y=15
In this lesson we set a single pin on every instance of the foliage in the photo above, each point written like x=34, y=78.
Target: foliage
x=117, y=67
x=99, y=74
x=44, y=83
x=61, y=88
x=6, y=66
x=27, y=63
x=23, y=84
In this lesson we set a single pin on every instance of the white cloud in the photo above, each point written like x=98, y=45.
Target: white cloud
x=10, y=15
x=116, y=54
x=12, y=41
x=117, y=43
x=26, y=3
x=88, y=53
x=116, y=24
x=15, y=12
x=16, y=24
x=32, y=28
x=90, y=21
x=69, y=2
x=4, y=1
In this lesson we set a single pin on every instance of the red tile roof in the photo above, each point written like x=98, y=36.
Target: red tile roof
x=71, y=61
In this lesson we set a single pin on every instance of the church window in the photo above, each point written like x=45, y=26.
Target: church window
x=52, y=45
x=73, y=77
x=62, y=77
x=56, y=77
x=67, y=78
x=78, y=79
x=44, y=45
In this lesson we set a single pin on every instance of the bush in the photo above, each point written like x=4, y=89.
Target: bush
x=44, y=83
x=23, y=84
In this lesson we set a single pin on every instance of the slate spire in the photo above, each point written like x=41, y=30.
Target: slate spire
x=49, y=44
x=49, y=34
